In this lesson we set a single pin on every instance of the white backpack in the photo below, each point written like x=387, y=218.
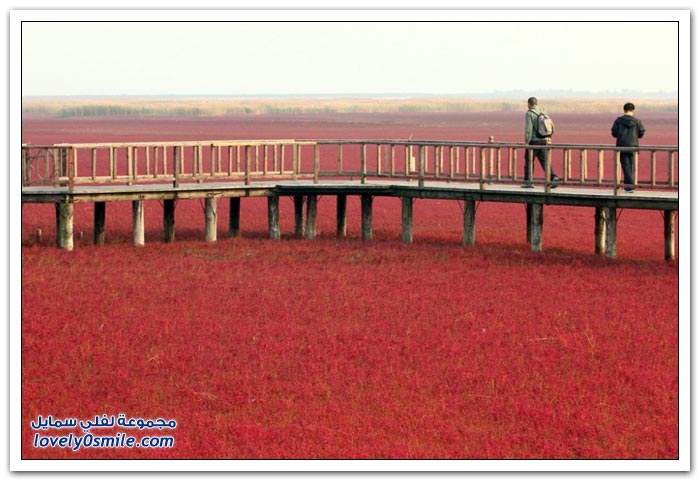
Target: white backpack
x=544, y=127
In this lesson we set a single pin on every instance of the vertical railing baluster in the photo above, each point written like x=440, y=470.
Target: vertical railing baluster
x=482, y=168
x=93, y=163
x=498, y=163
x=317, y=162
x=616, y=170
x=671, y=169
x=548, y=170
x=248, y=155
x=282, y=158
x=423, y=158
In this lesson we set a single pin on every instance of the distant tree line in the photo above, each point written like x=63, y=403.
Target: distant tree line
x=109, y=110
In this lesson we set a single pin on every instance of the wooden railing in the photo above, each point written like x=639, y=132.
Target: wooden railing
x=485, y=163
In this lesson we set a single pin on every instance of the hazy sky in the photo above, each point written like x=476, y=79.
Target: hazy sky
x=248, y=58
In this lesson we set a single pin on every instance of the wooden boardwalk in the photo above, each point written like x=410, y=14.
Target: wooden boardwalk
x=53, y=176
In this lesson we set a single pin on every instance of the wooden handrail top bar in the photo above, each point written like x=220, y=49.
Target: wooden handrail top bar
x=390, y=142
x=170, y=143
x=519, y=145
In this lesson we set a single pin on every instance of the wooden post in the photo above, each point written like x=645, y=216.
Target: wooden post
x=64, y=225
x=311, y=210
x=273, y=216
x=469, y=222
x=611, y=232
x=536, y=221
x=99, y=224
x=342, y=215
x=670, y=234
x=299, y=215
x=407, y=219
x=168, y=220
x=138, y=222
x=528, y=222
x=600, y=228
x=72, y=166
x=366, y=201
x=210, y=217
x=234, y=217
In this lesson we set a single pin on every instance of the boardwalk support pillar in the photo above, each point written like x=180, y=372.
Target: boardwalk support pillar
x=299, y=216
x=168, y=220
x=64, y=225
x=311, y=210
x=611, y=233
x=670, y=234
x=469, y=222
x=535, y=221
x=407, y=219
x=234, y=217
x=342, y=215
x=210, y=217
x=138, y=221
x=366, y=201
x=273, y=216
x=600, y=228
x=99, y=224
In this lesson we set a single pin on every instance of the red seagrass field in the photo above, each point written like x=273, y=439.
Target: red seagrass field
x=344, y=349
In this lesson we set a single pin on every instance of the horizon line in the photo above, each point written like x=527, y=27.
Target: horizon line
x=510, y=94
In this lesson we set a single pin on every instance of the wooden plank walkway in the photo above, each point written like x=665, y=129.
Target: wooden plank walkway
x=307, y=191
x=468, y=172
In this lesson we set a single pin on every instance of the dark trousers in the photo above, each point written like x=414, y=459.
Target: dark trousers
x=627, y=163
x=541, y=156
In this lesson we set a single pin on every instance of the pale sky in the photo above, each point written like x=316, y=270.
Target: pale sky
x=251, y=58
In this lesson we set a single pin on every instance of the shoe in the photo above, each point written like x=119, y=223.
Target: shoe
x=629, y=191
x=528, y=185
x=554, y=183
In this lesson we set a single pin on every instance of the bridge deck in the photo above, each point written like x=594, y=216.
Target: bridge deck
x=467, y=172
x=563, y=195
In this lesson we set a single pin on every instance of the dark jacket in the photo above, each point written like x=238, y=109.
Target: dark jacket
x=627, y=129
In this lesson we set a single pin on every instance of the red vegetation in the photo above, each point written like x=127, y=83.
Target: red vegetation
x=347, y=349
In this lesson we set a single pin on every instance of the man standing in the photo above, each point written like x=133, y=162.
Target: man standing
x=628, y=130
x=533, y=137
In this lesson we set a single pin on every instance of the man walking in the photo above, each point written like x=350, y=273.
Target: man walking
x=533, y=137
x=628, y=129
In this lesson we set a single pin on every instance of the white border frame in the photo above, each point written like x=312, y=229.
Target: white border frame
x=17, y=16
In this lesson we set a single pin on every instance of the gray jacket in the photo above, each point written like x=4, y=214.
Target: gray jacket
x=531, y=123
